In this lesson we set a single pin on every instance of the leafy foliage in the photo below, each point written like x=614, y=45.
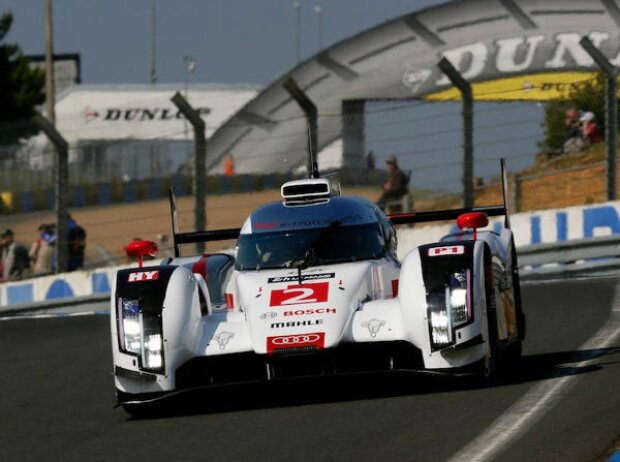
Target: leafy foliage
x=587, y=96
x=21, y=89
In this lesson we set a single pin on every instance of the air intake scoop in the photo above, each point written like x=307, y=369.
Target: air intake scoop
x=300, y=192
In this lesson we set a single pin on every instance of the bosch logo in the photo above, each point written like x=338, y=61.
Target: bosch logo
x=296, y=339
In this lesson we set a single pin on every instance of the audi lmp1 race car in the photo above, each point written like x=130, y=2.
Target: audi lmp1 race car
x=313, y=288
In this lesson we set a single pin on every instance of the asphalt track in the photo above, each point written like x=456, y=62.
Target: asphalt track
x=57, y=398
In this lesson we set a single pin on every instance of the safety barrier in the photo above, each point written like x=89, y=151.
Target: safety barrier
x=157, y=188
x=599, y=255
x=560, y=242
x=62, y=287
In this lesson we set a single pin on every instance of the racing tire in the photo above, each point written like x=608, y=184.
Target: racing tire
x=511, y=355
x=516, y=287
x=490, y=365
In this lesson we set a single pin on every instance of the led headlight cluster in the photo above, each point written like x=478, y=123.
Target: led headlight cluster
x=139, y=333
x=449, y=307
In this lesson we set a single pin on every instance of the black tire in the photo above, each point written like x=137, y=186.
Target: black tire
x=516, y=287
x=511, y=356
x=490, y=365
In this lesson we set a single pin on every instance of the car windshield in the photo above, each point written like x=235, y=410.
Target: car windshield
x=309, y=247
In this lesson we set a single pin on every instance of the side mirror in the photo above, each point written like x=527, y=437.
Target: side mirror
x=472, y=220
x=141, y=249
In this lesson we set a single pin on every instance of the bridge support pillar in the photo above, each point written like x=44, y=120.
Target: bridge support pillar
x=353, y=134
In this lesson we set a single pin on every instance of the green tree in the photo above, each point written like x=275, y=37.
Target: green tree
x=21, y=89
x=584, y=97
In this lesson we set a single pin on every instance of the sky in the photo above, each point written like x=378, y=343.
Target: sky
x=253, y=41
x=231, y=41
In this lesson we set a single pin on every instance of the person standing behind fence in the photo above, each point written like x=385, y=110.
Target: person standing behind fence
x=42, y=250
x=15, y=259
x=589, y=129
x=395, y=186
x=229, y=165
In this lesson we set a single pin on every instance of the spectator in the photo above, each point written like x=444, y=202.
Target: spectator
x=229, y=165
x=571, y=124
x=77, y=245
x=15, y=259
x=42, y=250
x=573, y=140
x=395, y=186
x=589, y=130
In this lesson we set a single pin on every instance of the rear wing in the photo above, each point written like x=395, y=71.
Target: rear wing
x=452, y=214
x=195, y=237
x=179, y=238
x=441, y=215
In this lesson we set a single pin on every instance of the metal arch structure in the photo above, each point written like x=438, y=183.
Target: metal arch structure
x=507, y=50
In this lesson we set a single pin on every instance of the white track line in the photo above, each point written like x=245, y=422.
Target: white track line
x=522, y=415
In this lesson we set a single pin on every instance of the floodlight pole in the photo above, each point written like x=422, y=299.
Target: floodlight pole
x=50, y=86
x=311, y=113
x=200, y=154
x=611, y=112
x=61, y=150
x=467, y=113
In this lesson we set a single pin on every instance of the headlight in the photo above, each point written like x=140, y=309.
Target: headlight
x=441, y=328
x=457, y=297
x=449, y=306
x=129, y=332
x=140, y=334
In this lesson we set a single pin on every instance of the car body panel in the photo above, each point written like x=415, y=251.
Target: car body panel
x=310, y=315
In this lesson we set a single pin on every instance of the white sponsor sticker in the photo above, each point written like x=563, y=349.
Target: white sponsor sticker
x=447, y=250
x=143, y=276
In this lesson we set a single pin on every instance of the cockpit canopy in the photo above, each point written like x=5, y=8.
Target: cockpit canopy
x=343, y=229
x=310, y=247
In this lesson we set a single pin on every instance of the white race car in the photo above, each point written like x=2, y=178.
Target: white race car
x=314, y=288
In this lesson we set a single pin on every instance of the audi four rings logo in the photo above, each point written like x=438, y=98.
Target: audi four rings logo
x=296, y=339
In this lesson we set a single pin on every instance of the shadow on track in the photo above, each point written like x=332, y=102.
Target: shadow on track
x=320, y=390
x=554, y=365
x=292, y=392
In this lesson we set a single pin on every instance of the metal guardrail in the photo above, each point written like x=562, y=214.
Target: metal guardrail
x=600, y=255
x=558, y=260
x=10, y=310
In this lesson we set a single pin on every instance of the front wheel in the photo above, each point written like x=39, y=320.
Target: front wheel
x=489, y=330
x=490, y=363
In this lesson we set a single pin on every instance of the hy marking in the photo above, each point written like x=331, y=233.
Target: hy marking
x=521, y=416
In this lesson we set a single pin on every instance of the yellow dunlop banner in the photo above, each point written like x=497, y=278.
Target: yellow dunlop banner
x=533, y=87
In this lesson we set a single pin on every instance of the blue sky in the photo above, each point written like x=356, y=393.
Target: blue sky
x=251, y=41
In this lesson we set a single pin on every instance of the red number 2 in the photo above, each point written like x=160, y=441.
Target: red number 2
x=300, y=294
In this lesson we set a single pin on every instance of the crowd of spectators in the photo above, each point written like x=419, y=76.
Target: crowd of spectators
x=581, y=131
x=19, y=262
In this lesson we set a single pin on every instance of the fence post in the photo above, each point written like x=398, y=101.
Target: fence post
x=200, y=148
x=611, y=112
x=353, y=136
x=516, y=193
x=468, y=128
x=311, y=113
x=61, y=150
